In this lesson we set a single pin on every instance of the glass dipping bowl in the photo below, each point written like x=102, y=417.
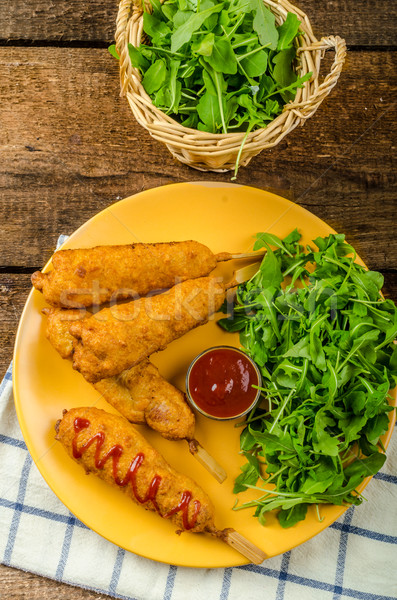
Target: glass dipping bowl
x=219, y=383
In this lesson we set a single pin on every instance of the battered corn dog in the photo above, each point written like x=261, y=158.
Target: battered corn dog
x=140, y=394
x=162, y=406
x=84, y=277
x=57, y=329
x=111, y=448
x=118, y=338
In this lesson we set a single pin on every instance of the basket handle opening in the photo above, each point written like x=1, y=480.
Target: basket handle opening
x=305, y=109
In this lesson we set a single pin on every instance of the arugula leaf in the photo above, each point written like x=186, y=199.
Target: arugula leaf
x=269, y=273
x=282, y=72
x=288, y=31
x=155, y=28
x=232, y=324
x=183, y=34
x=156, y=9
x=155, y=76
x=264, y=24
x=112, y=50
x=254, y=65
x=288, y=92
x=222, y=58
x=249, y=476
x=291, y=516
x=175, y=87
x=182, y=16
x=137, y=59
x=269, y=239
x=208, y=111
x=323, y=442
x=204, y=45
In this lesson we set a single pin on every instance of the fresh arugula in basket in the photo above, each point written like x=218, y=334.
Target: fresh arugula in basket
x=322, y=334
x=218, y=66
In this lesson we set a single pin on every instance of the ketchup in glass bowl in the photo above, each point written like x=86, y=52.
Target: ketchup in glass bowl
x=219, y=383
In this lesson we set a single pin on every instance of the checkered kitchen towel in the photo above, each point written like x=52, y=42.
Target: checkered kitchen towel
x=356, y=557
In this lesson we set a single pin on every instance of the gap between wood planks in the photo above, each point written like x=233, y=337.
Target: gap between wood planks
x=101, y=44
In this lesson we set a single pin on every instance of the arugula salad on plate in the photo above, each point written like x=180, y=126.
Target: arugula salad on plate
x=324, y=338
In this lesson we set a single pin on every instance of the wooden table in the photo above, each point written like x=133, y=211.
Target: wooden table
x=70, y=147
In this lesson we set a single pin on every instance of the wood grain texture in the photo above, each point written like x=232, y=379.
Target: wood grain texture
x=20, y=585
x=14, y=291
x=367, y=23
x=70, y=147
x=58, y=20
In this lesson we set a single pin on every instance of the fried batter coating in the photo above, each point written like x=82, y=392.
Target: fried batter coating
x=118, y=338
x=111, y=448
x=84, y=277
x=140, y=394
x=57, y=330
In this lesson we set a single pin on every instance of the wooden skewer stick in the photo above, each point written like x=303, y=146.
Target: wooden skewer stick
x=245, y=547
x=224, y=256
x=241, y=544
x=207, y=461
x=242, y=275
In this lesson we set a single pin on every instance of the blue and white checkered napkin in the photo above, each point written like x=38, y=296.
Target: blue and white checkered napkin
x=356, y=557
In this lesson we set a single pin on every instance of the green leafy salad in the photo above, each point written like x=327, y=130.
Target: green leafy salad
x=323, y=337
x=218, y=66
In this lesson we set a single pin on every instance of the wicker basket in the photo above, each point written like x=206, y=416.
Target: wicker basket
x=219, y=152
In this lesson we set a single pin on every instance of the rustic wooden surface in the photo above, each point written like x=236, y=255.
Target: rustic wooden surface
x=70, y=147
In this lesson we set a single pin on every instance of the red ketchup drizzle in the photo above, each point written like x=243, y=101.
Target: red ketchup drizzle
x=220, y=383
x=115, y=452
x=183, y=506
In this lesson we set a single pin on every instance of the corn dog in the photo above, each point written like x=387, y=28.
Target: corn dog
x=160, y=404
x=111, y=448
x=84, y=277
x=140, y=394
x=57, y=329
x=118, y=338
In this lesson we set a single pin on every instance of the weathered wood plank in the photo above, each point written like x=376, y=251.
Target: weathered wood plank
x=14, y=290
x=374, y=21
x=58, y=21
x=70, y=147
x=27, y=586
x=362, y=23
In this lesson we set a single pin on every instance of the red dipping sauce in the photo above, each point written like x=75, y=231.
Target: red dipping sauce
x=219, y=383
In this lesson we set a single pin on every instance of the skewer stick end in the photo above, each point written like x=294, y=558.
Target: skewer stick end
x=223, y=256
x=245, y=547
x=207, y=461
x=255, y=255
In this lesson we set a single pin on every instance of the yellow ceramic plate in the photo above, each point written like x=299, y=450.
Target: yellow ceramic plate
x=225, y=218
